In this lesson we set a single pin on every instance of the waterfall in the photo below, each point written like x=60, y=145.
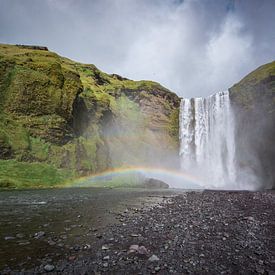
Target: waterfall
x=207, y=140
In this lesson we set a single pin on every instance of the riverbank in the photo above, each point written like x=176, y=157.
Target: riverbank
x=138, y=231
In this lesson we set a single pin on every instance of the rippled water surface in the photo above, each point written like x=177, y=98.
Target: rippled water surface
x=35, y=224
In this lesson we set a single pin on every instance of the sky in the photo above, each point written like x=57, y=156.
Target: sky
x=193, y=47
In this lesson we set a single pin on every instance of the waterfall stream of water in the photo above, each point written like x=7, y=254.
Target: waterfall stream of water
x=207, y=140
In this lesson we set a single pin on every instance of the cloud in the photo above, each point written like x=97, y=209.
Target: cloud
x=193, y=47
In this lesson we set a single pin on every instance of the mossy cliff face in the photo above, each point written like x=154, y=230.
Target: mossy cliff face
x=76, y=119
x=253, y=101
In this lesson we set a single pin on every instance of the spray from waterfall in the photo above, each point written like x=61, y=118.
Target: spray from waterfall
x=207, y=140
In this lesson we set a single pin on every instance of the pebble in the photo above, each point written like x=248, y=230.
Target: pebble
x=50, y=242
x=72, y=258
x=24, y=243
x=106, y=258
x=39, y=234
x=142, y=250
x=49, y=267
x=153, y=258
x=104, y=247
x=134, y=247
x=157, y=268
x=87, y=246
x=7, y=238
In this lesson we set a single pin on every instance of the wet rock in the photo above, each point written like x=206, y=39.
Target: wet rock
x=8, y=238
x=24, y=243
x=20, y=235
x=49, y=267
x=39, y=234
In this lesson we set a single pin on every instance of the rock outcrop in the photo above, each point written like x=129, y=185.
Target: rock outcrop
x=253, y=101
x=75, y=118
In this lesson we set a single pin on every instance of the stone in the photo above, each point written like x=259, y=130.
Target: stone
x=134, y=247
x=87, y=246
x=153, y=258
x=7, y=238
x=39, y=234
x=155, y=183
x=49, y=267
x=142, y=250
x=157, y=268
x=72, y=258
x=51, y=242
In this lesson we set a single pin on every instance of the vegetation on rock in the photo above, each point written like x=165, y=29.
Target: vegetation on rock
x=67, y=116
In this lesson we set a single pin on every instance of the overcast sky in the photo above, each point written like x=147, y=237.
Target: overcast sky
x=193, y=47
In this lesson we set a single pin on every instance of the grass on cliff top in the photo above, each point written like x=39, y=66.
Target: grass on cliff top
x=14, y=174
x=258, y=75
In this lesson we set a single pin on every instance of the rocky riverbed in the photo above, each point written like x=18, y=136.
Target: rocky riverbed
x=87, y=231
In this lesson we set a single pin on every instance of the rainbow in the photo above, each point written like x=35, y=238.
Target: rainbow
x=155, y=172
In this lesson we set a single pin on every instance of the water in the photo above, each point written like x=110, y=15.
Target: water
x=207, y=140
x=69, y=217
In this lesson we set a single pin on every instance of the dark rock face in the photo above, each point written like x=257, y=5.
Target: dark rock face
x=33, y=47
x=155, y=183
x=253, y=100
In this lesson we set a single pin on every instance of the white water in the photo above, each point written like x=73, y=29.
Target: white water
x=207, y=140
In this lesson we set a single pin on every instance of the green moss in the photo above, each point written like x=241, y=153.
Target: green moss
x=39, y=149
x=14, y=135
x=257, y=87
x=22, y=174
x=173, y=126
x=73, y=116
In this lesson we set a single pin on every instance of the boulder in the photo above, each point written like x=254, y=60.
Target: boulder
x=155, y=183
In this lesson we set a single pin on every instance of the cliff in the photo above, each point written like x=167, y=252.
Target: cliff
x=253, y=101
x=61, y=119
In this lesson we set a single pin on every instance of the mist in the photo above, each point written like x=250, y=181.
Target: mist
x=194, y=48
